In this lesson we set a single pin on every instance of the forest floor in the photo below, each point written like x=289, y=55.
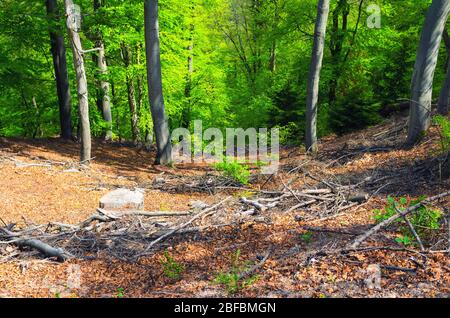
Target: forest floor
x=274, y=252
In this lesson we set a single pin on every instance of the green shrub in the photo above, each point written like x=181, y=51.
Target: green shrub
x=424, y=219
x=120, y=292
x=231, y=280
x=306, y=237
x=444, y=125
x=172, y=269
x=233, y=169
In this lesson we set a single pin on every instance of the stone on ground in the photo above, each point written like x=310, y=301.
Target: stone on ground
x=123, y=200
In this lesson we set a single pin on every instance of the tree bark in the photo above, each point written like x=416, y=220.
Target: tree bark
x=127, y=58
x=444, y=96
x=336, y=46
x=186, y=113
x=323, y=9
x=160, y=122
x=82, y=88
x=422, y=81
x=104, y=101
x=58, y=50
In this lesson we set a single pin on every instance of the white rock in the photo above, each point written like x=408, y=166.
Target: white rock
x=123, y=200
x=198, y=205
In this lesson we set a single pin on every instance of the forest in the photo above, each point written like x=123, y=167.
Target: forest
x=96, y=202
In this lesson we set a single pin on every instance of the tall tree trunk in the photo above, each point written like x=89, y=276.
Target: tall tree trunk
x=104, y=99
x=323, y=9
x=58, y=49
x=444, y=96
x=82, y=88
x=273, y=48
x=140, y=79
x=336, y=45
x=426, y=60
x=160, y=122
x=186, y=114
x=273, y=57
x=127, y=58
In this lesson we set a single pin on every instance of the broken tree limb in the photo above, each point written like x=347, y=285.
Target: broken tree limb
x=181, y=226
x=385, y=223
x=254, y=268
x=300, y=205
x=44, y=248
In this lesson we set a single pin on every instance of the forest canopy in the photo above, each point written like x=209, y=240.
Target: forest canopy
x=230, y=63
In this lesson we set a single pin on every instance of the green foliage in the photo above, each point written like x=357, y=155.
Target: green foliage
x=231, y=280
x=120, y=293
x=233, y=169
x=425, y=220
x=171, y=269
x=306, y=237
x=251, y=61
x=444, y=128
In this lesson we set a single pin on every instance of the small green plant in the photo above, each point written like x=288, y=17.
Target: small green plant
x=404, y=240
x=444, y=127
x=172, y=269
x=232, y=280
x=230, y=167
x=424, y=220
x=306, y=237
x=120, y=292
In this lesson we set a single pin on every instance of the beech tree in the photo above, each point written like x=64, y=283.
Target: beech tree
x=323, y=9
x=104, y=99
x=82, y=88
x=127, y=59
x=58, y=50
x=422, y=81
x=160, y=121
x=444, y=96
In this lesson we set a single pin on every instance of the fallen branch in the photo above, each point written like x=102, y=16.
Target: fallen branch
x=44, y=248
x=257, y=266
x=163, y=237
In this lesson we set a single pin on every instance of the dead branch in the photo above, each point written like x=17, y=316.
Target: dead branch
x=44, y=248
x=257, y=266
x=198, y=215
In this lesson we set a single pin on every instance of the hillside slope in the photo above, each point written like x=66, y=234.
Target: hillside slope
x=282, y=251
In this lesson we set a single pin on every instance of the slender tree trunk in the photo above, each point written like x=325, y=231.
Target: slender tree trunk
x=82, y=88
x=426, y=60
x=444, y=96
x=104, y=99
x=160, y=121
x=140, y=80
x=323, y=9
x=186, y=114
x=273, y=57
x=58, y=49
x=337, y=42
x=127, y=58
